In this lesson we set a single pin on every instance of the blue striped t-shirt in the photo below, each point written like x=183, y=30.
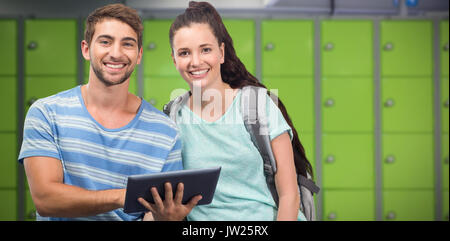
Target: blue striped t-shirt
x=94, y=157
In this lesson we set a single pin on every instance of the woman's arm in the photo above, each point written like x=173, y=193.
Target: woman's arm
x=286, y=178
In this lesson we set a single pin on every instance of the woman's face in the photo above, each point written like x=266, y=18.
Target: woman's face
x=198, y=56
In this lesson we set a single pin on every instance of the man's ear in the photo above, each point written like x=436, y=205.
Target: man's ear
x=85, y=50
x=141, y=50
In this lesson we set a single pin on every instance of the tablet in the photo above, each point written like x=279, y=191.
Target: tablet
x=196, y=181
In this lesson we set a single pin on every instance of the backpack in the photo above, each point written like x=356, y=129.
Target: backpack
x=255, y=120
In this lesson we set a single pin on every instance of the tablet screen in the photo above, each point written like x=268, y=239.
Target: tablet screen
x=196, y=181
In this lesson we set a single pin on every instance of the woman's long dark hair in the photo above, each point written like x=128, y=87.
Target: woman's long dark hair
x=233, y=71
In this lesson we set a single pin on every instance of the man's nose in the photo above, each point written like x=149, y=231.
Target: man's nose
x=115, y=51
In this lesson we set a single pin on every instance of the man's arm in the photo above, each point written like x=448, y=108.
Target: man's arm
x=55, y=199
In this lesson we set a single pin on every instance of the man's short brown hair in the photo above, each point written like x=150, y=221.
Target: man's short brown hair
x=115, y=11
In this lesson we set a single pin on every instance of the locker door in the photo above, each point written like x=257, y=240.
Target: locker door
x=8, y=103
x=348, y=161
x=408, y=205
x=8, y=162
x=445, y=168
x=408, y=161
x=51, y=47
x=347, y=104
x=344, y=56
x=160, y=90
x=157, y=58
x=243, y=34
x=445, y=204
x=444, y=48
x=444, y=104
x=287, y=48
x=8, y=205
x=354, y=205
x=40, y=87
x=407, y=105
x=8, y=47
x=406, y=48
x=297, y=95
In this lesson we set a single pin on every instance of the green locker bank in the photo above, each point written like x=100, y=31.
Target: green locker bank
x=368, y=96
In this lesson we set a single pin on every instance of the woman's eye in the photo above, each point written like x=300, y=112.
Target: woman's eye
x=206, y=50
x=183, y=53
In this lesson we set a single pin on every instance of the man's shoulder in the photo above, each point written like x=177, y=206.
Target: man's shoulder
x=151, y=114
x=67, y=97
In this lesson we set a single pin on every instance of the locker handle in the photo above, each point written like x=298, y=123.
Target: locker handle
x=32, y=45
x=329, y=46
x=332, y=216
x=391, y=216
x=390, y=159
x=329, y=102
x=446, y=103
x=269, y=47
x=388, y=46
x=151, y=46
x=389, y=103
x=446, y=47
x=446, y=160
x=330, y=159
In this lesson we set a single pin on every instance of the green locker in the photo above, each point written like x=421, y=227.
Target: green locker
x=348, y=161
x=40, y=87
x=444, y=104
x=8, y=162
x=407, y=104
x=8, y=103
x=8, y=205
x=444, y=48
x=297, y=95
x=158, y=91
x=408, y=205
x=406, y=48
x=307, y=140
x=8, y=47
x=243, y=34
x=408, y=160
x=343, y=55
x=445, y=168
x=157, y=52
x=287, y=48
x=51, y=47
x=349, y=205
x=347, y=104
x=445, y=204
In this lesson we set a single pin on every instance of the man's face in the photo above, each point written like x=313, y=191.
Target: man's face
x=113, y=51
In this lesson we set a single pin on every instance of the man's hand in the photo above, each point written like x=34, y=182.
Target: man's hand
x=170, y=209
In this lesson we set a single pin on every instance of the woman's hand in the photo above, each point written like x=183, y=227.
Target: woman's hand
x=170, y=209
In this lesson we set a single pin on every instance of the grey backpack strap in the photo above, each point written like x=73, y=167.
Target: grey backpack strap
x=253, y=108
x=171, y=109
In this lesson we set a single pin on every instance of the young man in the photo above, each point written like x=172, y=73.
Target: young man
x=80, y=145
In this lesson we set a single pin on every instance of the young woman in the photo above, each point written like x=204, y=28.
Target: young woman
x=213, y=132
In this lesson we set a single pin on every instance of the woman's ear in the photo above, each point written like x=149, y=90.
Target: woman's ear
x=222, y=49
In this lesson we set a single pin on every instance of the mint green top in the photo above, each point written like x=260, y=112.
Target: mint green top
x=242, y=192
